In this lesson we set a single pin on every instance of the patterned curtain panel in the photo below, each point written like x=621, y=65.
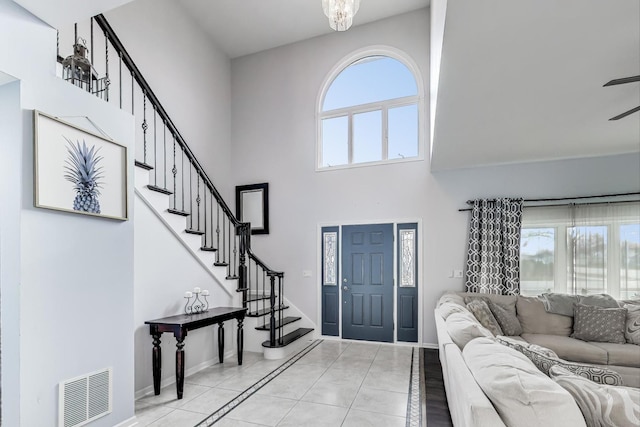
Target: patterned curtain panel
x=493, y=263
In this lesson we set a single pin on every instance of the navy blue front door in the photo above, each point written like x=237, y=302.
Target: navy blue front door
x=367, y=282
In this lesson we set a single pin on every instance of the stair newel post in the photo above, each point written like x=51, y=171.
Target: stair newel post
x=243, y=234
x=280, y=304
x=272, y=325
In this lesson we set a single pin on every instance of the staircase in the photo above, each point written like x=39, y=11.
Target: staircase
x=171, y=181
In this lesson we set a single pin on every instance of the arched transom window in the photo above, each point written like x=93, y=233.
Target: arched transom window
x=369, y=113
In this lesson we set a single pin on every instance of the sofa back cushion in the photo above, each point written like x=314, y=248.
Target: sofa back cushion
x=463, y=327
x=448, y=308
x=535, y=320
x=522, y=395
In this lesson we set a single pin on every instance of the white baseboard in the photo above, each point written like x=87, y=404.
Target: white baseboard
x=133, y=421
x=172, y=380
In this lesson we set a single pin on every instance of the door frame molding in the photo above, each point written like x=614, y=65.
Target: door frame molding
x=420, y=284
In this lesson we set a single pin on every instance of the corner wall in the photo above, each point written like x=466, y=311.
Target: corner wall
x=74, y=288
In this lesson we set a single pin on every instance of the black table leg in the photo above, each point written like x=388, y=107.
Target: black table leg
x=240, y=340
x=180, y=367
x=221, y=342
x=156, y=361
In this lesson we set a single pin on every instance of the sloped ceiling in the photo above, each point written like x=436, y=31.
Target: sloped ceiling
x=60, y=13
x=522, y=81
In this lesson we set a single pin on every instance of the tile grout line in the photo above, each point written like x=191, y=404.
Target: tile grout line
x=360, y=386
x=250, y=391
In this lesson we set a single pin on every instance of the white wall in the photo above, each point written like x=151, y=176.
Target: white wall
x=274, y=141
x=164, y=271
x=274, y=130
x=10, y=174
x=76, y=272
x=189, y=75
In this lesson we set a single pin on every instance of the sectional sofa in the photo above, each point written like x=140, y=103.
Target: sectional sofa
x=497, y=378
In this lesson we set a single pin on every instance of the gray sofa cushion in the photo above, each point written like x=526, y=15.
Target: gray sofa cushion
x=621, y=354
x=591, y=323
x=507, y=320
x=570, y=348
x=535, y=320
x=481, y=311
x=463, y=327
x=545, y=362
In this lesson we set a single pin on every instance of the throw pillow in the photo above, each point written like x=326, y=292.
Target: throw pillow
x=632, y=328
x=591, y=323
x=507, y=320
x=601, y=405
x=546, y=359
x=481, y=311
x=448, y=308
x=517, y=343
x=463, y=327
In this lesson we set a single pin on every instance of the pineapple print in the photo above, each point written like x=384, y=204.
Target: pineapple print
x=83, y=171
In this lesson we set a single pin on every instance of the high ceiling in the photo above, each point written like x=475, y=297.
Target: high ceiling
x=242, y=27
x=522, y=81
x=518, y=81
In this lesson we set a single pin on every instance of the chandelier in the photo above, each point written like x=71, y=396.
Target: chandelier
x=340, y=13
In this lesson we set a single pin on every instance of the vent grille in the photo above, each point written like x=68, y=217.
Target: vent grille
x=85, y=398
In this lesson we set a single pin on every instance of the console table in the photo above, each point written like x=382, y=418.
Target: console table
x=180, y=325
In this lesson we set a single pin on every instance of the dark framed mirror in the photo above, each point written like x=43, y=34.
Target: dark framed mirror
x=252, y=205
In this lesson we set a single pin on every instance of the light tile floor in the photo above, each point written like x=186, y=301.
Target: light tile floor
x=336, y=383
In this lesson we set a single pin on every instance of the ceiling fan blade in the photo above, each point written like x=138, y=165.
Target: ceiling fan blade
x=622, y=81
x=625, y=114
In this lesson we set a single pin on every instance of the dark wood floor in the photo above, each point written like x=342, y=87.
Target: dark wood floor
x=436, y=405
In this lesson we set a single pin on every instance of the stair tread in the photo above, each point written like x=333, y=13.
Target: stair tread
x=192, y=231
x=289, y=338
x=285, y=321
x=252, y=296
x=178, y=212
x=221, y=264
x=159, y=189
x=265, y=311
x=208, y=248
x=143, y=165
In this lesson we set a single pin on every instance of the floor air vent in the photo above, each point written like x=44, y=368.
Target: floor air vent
x=85, y=398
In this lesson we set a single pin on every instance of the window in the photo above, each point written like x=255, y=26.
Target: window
x=369, y=113
x=581, y=250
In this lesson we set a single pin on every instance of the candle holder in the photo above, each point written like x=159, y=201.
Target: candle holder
x=198, y=305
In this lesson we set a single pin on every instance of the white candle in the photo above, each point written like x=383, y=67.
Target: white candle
x=205, y=293
x=188, y=294
x=196, y=290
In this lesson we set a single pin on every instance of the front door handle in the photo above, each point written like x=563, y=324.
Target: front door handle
x=345, y=288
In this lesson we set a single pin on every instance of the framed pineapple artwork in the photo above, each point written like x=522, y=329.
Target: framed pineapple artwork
x=78, y=171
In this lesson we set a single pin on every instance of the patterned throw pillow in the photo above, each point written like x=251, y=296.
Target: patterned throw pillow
x=546, y=359
x=507, y=320
x=591, y=323
x=632, y=329
x=481, y=311
x=601, y=405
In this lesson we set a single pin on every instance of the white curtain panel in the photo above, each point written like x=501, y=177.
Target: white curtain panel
x=493, y=262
